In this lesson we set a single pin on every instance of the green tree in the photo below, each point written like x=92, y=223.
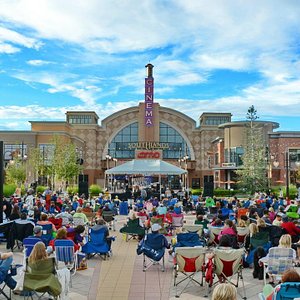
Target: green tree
x=252, y=175
x=15, y=172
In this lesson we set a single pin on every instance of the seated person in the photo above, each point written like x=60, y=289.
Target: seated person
x=81, y=215
x=44, y=221
x=100, y=223
x=229, y=228
x=291, y=229
x=65, y=214
x=87, y=208
x=6, y=259
x=201, y=221
x=224, y=291
x=38, y=258
x=24, y=220
x=284, y=242
x=62, y=235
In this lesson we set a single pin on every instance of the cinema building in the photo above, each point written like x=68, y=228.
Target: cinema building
x=210, y=148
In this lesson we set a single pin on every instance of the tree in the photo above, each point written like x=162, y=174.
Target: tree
x=57, y=161
x=15, y=171
x=252, y=175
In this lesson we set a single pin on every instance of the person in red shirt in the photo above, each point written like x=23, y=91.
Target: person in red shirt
x=62, y=235
x=291, y=229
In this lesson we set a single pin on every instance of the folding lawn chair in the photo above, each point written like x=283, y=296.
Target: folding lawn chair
x=279, y=260
x=287, y=291
x=189, y=262
x=153, y=249
x=64, y=252
x=214, y=234
x=177, y=221
x=197, y=228
x=241, y=234
x=227, y=263
x=28, y=244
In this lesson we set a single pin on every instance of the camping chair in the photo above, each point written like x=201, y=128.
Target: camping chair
x=153, y=249
x=78, y=221
x=64, y=252
x=188, y=239
x=242, y=212
x=47, y=232
x=142, y=220
x=197, y=228
x=241, y=235
x=56, y=222
x=97, y=244
x=18, y=233
x=189, y=262
x=214, y=234
x=287, y=291
x=90, y=215
x=279, y=260
x=133, y=229
x=108, y=217
x=28, y=244
x=65, y=221
x=40, y=277
x=177, y=221
x=227, y=263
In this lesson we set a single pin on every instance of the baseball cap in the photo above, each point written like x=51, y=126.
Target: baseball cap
x=37, y=229
x=155, y=227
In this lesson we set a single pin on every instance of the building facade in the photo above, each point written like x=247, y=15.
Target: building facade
x=211, y=151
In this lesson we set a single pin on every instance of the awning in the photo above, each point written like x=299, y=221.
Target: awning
x=146, y=167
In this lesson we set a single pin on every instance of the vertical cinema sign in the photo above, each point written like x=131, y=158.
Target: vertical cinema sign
x=149, y=86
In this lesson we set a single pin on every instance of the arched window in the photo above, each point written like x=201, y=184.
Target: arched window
x=177, y=145
x=118, y=147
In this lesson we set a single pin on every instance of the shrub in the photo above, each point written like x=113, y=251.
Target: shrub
x=9, y=189
x=95, y=190
x=197, y=191
x=72, y=189
x=41, y=189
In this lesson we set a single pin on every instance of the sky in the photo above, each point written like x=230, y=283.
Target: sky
x=208, y=56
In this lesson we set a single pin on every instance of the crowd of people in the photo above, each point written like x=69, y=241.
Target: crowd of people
x=271, y=220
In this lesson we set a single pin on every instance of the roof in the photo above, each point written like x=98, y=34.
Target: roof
x=146, y=167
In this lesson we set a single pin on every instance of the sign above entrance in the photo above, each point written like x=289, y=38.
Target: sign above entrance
x=148, y=146
x=144, y=154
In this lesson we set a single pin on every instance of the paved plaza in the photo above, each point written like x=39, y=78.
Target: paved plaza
x=122, y=276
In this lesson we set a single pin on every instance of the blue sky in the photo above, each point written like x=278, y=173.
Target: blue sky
x=223, y=56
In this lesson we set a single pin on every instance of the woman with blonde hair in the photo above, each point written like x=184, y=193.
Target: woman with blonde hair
x=284, y=242
x=224, y=291
x=38, y=253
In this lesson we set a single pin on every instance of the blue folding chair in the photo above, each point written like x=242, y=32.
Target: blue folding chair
x=28, y=244
x=64, y=252
x=287, y=291
x=47, y=233
x=97, y=244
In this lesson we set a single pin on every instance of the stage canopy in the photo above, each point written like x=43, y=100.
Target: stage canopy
x=146, y=167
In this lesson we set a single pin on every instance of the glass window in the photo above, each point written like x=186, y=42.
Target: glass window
x=177, y=146
x=12, y=151
x=118, y=147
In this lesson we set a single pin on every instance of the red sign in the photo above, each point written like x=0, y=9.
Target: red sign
x=148, y=154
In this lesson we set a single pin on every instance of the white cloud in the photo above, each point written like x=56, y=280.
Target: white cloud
x=86, y=89
x=8, y=49
x=38, y=62
x=7, y=35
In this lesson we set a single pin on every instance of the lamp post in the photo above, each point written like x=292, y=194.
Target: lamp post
x=108, y=158
x=185, y=159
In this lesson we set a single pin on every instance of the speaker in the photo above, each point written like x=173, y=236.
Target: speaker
x=83, y=178
x=208, y=189
x=83, y=188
